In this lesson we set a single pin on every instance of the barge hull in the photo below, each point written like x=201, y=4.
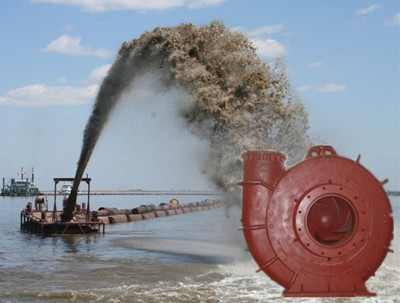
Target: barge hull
x=31, y=224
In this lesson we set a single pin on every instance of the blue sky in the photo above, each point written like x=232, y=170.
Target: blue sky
x=342, y=58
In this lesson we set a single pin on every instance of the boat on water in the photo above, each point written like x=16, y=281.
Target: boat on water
x=20, y=187
x=66, y=188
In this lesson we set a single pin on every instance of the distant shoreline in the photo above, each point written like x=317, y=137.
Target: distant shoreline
x=141, y=192
x=138, y=192
x=393, y=193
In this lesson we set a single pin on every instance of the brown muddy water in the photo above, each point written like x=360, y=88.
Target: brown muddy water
x=195, y=257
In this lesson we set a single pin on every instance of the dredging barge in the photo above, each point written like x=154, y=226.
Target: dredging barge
x=20, y=187
x=39, y=220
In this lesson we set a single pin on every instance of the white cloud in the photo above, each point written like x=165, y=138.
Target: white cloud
x=68, y=28
x=267, y=29
x=331, y=88
x=304, y=88
x=328, y=88
x=203, y=3
x=63, y=80
x=290, y=71
x=139, y=5
x=394, y=21
x=41, y=95
x=367, y=10
x=237, y=29
x=315, y=64
x=266, y=48
x=97, y=75
x=67, y=44
x=269, y=48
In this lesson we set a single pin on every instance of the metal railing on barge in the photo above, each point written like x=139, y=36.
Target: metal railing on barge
x=43, y=222
x=31, y=223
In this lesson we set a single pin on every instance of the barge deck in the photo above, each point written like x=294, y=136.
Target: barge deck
x=49, y=223
x=43, y=222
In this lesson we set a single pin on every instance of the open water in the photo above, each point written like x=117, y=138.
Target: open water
x=195, y=257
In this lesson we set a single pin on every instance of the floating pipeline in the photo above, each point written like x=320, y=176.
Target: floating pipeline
x=42, y=222
x=150, y=211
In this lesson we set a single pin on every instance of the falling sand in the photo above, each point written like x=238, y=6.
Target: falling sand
x=236, y=102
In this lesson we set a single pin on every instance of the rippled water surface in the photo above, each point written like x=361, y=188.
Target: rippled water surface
x=195, y=257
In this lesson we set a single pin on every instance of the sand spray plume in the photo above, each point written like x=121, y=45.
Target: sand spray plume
x=237, y=102
x=121, y=74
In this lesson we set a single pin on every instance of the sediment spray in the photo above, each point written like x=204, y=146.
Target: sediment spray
x=237, y=102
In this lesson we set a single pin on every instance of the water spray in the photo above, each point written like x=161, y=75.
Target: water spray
x=239, y=102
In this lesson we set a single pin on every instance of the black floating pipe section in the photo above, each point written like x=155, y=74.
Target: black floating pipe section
x=143, y=212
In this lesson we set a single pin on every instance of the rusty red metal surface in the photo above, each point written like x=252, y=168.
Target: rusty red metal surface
x=320, y=228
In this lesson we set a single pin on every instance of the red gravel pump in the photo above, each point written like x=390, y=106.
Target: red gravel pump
x=320, y=228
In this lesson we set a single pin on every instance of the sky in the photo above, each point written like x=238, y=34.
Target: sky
x=342, y=58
